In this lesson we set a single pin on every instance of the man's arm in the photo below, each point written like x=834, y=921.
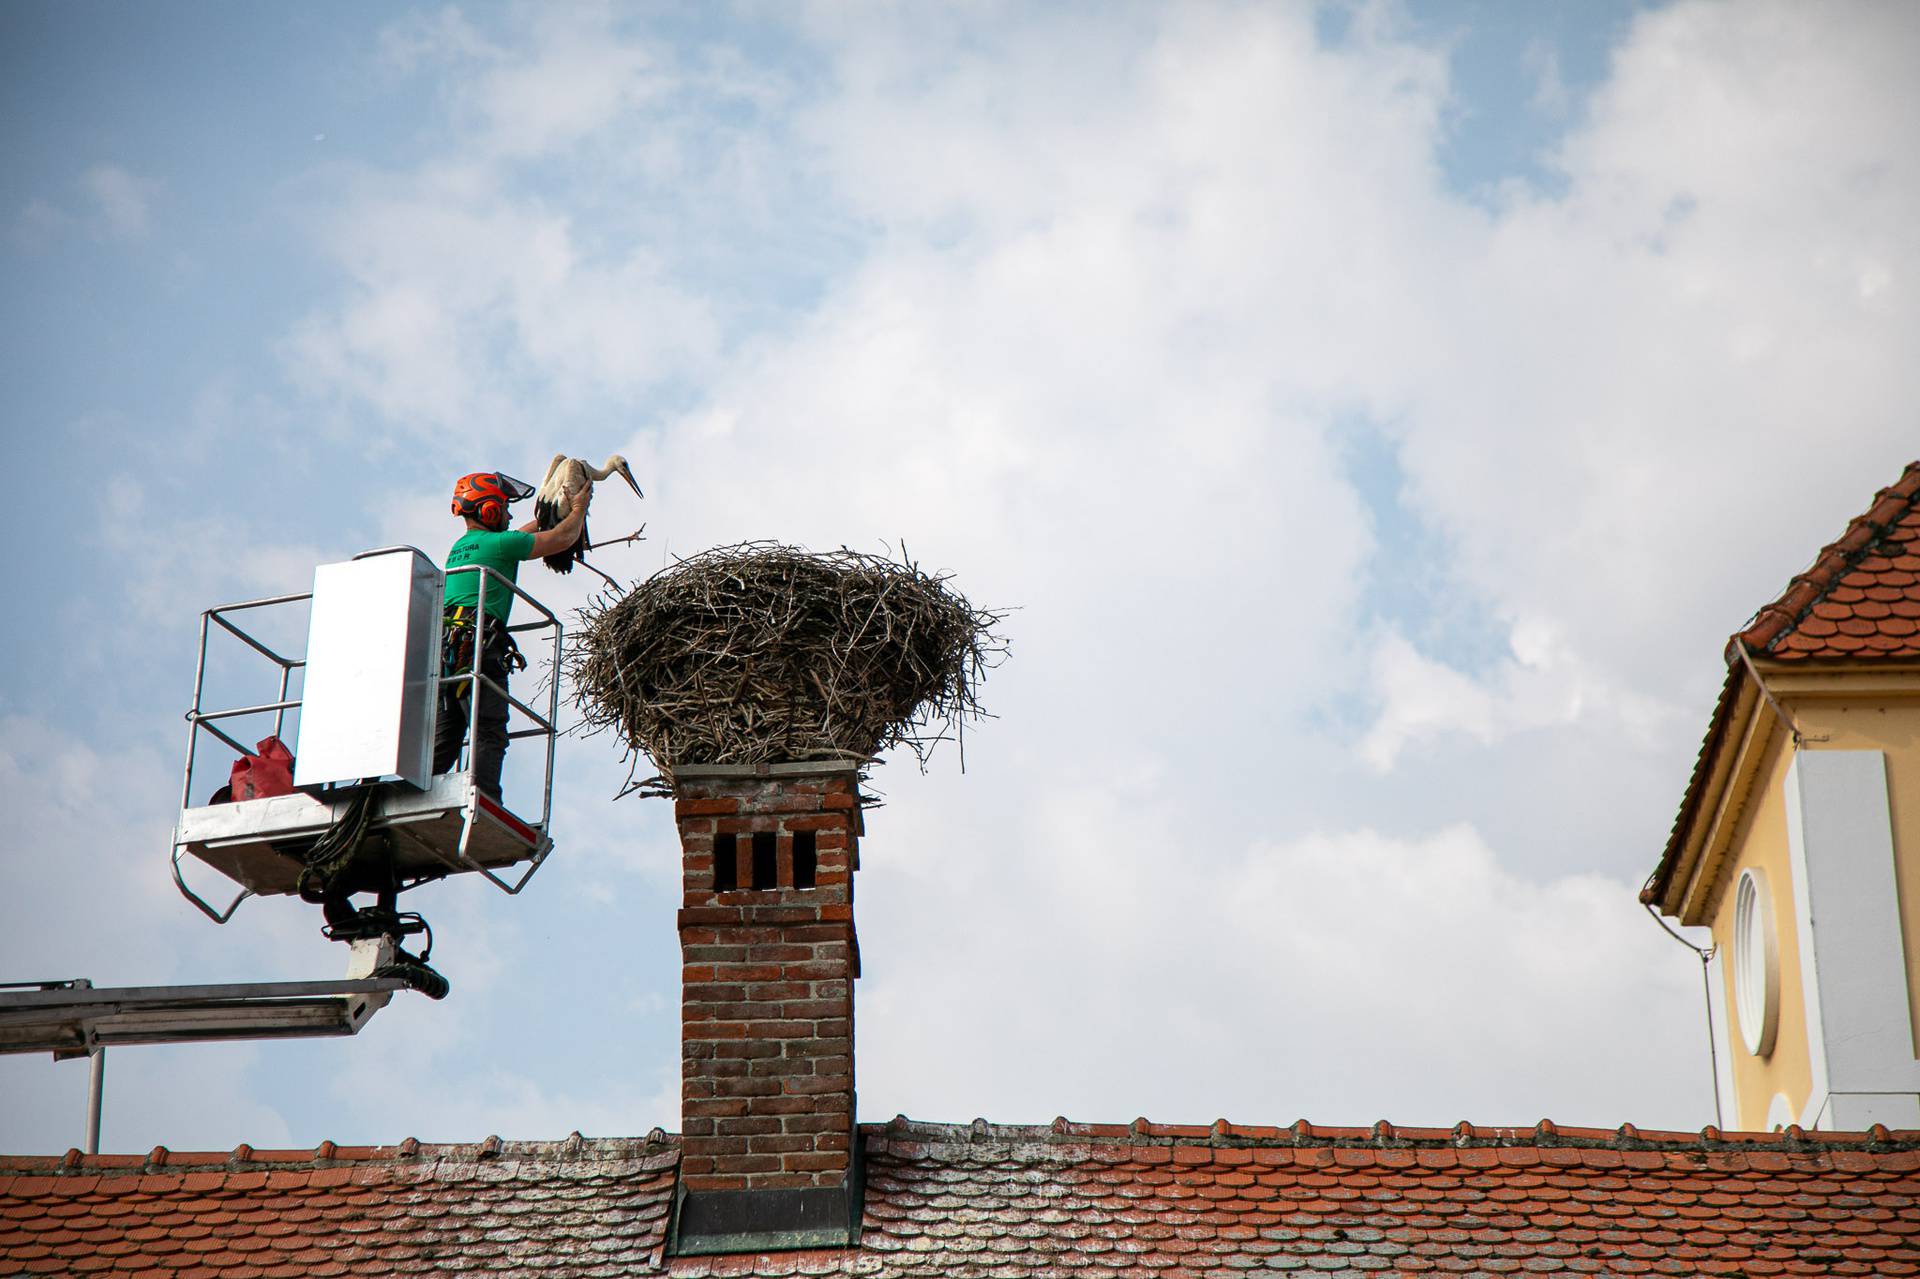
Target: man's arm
x=562, y=535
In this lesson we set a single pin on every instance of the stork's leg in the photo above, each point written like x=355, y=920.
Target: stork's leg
x=603, y=577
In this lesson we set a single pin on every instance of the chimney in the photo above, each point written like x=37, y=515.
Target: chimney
x=769, y=1154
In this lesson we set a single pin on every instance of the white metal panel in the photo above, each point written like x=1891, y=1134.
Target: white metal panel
x=367, y=705
x=1840, y=841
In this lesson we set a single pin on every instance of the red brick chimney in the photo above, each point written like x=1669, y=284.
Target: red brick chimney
x=768, y=1155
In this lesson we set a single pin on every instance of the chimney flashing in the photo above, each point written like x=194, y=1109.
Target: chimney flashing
x=713, y=1222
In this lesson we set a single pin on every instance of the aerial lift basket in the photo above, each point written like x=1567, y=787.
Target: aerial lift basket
x=370, y=683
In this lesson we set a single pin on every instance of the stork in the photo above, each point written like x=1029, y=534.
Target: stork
x=567, y=477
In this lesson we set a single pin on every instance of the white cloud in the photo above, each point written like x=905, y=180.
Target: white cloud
x=560, y=78
x=1542, y=682
x=1115, y=960
x=122, y=201
x=462, y=295
x=179, y=562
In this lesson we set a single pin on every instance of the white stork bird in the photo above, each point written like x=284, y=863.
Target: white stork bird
x=566, y=478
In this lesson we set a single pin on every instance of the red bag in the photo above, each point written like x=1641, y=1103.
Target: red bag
x=268, y=773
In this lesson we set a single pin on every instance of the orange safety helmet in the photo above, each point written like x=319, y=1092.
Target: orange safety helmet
x=485, y=495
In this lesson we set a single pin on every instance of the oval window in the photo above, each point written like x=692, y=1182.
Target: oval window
x=1756, y=963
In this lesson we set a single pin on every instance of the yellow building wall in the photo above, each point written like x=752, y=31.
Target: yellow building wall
x=1761, y=841
x=1887, y=724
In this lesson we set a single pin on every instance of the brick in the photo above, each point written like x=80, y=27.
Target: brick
x=776, y=991
x=815, y=970
x=714, y=1030
x=780, y=1067
x=751, y=973
x=815, y=822
x=826, y=1162
x=776, y=953
x=708, y=916
x=819, y=1084
x=784, y=1106
x=706, y=807
x=762, y=913
x=750, y=1086
x=748, y=1126
x=791, y=804
x=767, y=1026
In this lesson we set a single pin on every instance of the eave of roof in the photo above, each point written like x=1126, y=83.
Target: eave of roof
x=1890, y=633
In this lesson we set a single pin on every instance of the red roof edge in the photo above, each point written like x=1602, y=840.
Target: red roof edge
x=1807, y=589
x=1761, y=633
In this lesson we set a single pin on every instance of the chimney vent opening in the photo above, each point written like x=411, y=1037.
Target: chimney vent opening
x=726, y=873
x=766, y=864
x=806, y=859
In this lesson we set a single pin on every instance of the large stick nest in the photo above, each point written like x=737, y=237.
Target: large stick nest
x=763, y=653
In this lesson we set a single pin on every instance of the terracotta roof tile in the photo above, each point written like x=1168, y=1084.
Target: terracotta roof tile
x=1849, y=590
x=983, y=1199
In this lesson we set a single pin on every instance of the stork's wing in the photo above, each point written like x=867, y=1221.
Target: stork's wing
x=550, y=503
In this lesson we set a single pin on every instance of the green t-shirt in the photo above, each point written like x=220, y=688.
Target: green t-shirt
x=501, y=552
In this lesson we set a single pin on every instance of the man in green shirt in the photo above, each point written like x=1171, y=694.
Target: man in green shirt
x=481, y=500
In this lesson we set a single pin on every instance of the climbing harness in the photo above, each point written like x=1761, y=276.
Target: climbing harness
x=457, y=646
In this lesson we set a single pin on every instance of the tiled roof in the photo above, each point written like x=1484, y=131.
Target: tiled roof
x=1861, y=597
x=569, y=1208
x=987, y=1199
x=1858, y=601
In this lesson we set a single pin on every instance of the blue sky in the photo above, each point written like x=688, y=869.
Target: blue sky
x=1379, y=415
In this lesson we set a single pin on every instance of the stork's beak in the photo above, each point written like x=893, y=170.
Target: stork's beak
x=627, y=474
